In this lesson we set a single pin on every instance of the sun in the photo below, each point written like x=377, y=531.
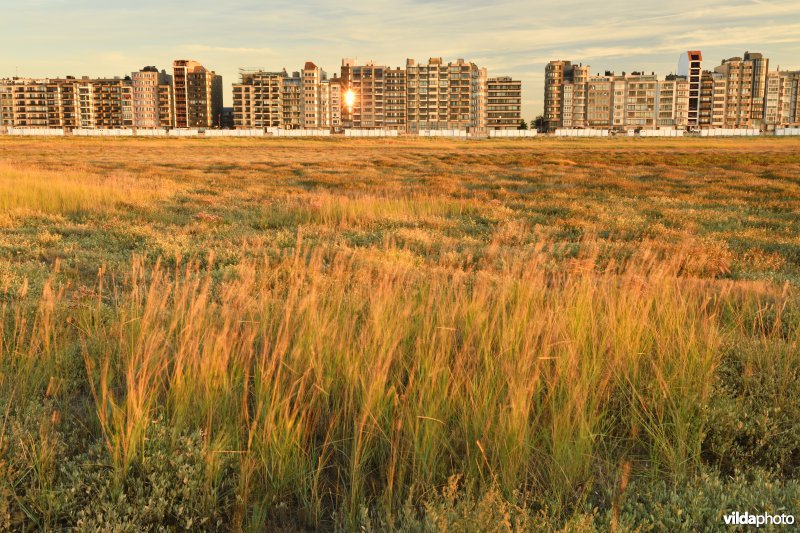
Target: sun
x=349, y=98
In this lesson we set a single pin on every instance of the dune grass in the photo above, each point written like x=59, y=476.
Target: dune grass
x=405, y=346
x=35, y=190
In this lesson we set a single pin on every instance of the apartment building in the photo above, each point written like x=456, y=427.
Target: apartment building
x=673, y=103
x=312, y=90
x=367, y=84
x=565, y=95
x=503, y=103
x=152, y=98
x=745, y=98
x=432, y=95
x=23, y=103
x=740, y=93
x=772, y=99
x=635, y=101
x=109, y=103
x=690, y=67
x=306, y=99
x=197, y=95
x=34, y=103
x=396, y=99
x=790, y=99
x=60, y=95
x=258, y=99
x=66, y=103
x=445, y=95
x=334, y=114
x=292, y=102
x=599, y=102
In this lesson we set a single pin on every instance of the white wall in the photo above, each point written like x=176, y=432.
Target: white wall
x=151, y=133
x=234, y=133
x=730, y=132
x=660, y=133
x=512, y=133
x=183, y=133
x=370, y=133
x=36, y=132
x=564, y=132
x=103, y=133
x=443, y=133
x=279, y=132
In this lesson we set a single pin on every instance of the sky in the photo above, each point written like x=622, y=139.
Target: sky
x=51, y=38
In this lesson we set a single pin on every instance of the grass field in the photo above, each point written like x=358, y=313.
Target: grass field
x=398, y=334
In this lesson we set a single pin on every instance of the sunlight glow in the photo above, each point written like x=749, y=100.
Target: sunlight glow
x=349, y=98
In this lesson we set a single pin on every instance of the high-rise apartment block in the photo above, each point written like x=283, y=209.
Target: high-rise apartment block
x=305, y=99
x=258, y=99
x=311, y=86
x=690, y=69
x=456, y=95
x=197, y=95
x=152, y=98
x=503, y=103
x=746, y=81
x=789, y=103
x=422, y=96
x=445, y=95
x=366, y=84
x=66, y=103
x=740, y=93
x=396, y=99
x=565, y=89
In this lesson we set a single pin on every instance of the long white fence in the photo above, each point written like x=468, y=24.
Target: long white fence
x=279, y=132
x=512, y=134
x=443, y=133
x=657, y=133
x=47, y=132
x=730, y=132
x=184, y=133
x=564, y=132
x=150, y=133
x=370, y=133
x=234, y=133
x=102, y=133
x=461, y=134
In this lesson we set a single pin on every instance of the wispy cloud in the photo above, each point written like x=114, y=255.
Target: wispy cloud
x=229, y=49
x=517, y=37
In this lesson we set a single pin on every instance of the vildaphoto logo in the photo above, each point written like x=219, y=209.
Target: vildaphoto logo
x=764, y=519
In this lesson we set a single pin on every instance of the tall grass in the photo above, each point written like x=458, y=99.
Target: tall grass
x=23, y=188
x=489, y=327
x=339, y=381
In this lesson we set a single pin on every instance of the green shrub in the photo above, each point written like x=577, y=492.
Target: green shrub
x=753, y=418
x=700, y=503
x=165, y=490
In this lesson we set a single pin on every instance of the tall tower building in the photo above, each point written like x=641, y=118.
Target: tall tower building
x=312, y=112
x=152, y=98
x=690, y=66
x=445, y=95
x=366, y=84
x=197, y=95
x=395, y=99
x=746, y=86
x=566, y=93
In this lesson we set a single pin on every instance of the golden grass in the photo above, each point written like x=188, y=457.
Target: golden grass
x=23, y=188
x=349, y=327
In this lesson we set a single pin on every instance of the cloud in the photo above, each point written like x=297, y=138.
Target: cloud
x=516, y=37
x=229, y=49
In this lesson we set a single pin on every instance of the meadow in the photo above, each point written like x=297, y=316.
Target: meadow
x=398, y=334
